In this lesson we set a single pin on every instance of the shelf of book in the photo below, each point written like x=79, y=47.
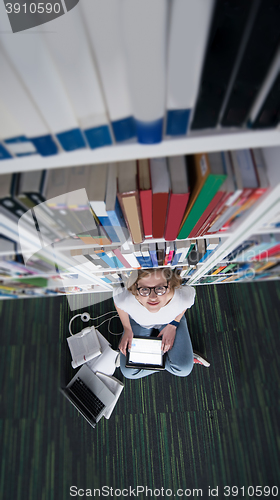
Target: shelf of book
x=194, y=142
x=263, y=210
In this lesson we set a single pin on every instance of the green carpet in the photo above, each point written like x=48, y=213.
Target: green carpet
x=217, y=427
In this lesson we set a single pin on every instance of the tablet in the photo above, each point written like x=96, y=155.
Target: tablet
x=145, y=353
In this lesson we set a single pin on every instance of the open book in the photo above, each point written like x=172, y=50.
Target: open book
x=115, y=386
x=84, y=346
x=106, y=361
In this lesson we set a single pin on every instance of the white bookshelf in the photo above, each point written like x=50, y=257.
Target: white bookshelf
x=194, y=142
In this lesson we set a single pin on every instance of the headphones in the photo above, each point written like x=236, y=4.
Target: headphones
x=85, y=317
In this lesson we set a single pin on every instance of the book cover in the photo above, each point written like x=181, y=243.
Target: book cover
x=37, y=70
x=153, y=254
x=103, y=25
x=160, y=189
x=144, y=32
x=214, y=209
x=145, y=193
x=160, y=252
x=72, y=55
x=121, y=258
x=112, y=205
x=144, y=247
x=209, y=178
x=227, y=28
x=188, y=35
x=253, y=61
x=179, y=196
x=24, y=109
x=128, y=196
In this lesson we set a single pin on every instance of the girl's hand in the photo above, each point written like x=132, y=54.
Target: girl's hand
x=126, y=341
x=168, y=336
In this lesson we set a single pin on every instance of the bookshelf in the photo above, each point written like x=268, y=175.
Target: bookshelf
x=194, y=141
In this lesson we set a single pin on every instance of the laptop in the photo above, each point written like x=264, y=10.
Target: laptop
x=145, y=353
x=89, y=395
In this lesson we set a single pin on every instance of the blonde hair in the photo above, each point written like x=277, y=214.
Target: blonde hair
x=172, y=277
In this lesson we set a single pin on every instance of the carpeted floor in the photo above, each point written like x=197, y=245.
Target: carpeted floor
x=218, y=427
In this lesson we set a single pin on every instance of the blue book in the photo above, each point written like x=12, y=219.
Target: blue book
x=114, y=258
x=153, y=254
x=105, y=258
x=178, y=247
x=109, y=228
x=139, y=256
x=146, y=255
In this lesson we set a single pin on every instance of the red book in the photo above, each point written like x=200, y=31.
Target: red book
x=121, y=258
x=176, y=210
x=160, y=194
x=145, y=193
x=213, y=215
x=179, y=196
x=209, y=211
x=268, y=253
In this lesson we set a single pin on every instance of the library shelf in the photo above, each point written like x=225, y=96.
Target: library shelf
x=194, y=142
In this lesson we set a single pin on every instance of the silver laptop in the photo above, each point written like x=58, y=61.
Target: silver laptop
x=89, y=395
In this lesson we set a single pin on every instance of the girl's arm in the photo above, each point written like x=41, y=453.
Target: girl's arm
x=168, y=334
x=127, y=337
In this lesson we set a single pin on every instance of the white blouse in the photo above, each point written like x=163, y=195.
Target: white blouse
x=182, y=299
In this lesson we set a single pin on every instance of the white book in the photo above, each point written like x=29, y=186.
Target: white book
x=71, y=52
x=84, y=346
x=34, y=64
x=106, y=361
x=144, y=30
x=115, y=386
x=103, y=25
x=188, y=34
x=12, y=134
x=22, y=107
x=185, y=250
x=128, y=252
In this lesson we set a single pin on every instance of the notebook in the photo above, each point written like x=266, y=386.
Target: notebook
x=145, y=353
x=90, y=395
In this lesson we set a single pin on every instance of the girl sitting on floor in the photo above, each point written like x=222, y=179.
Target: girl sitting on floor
x=155, y=299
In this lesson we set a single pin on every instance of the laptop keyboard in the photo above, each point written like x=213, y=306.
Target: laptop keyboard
x=86, y=397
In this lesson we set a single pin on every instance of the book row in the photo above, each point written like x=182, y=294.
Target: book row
x=95, y=261
x=111, y=268
x=161, y=198
x=120, y=71
x=257, y=249
x=242, y=272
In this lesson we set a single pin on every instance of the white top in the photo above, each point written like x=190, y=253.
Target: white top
x=182, y=299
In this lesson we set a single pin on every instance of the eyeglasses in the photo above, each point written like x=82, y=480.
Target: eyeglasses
x=146, y=291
